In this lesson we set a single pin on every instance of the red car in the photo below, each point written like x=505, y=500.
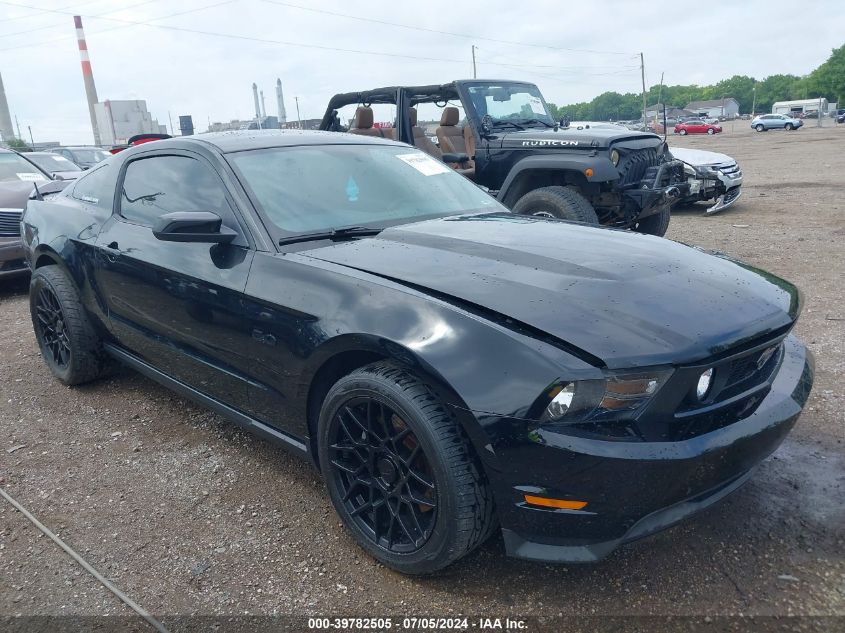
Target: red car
x=696, y=126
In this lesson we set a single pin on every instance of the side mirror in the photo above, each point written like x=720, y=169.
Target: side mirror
x=193, y=226
x=455, y=158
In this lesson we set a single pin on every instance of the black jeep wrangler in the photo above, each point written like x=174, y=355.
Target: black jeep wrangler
x=509, y=143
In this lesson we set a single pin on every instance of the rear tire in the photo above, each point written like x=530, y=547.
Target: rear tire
x=656, y=224
x=557, y=202
x=400, y=471
x=760, y=127
x=67, y=339
x=789, y=127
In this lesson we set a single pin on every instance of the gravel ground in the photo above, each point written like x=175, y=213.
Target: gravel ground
x=188, y=515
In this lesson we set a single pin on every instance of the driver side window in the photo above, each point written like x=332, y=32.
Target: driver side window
x=165, y=184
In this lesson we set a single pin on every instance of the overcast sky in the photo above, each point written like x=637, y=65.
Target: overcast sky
x=209, y=76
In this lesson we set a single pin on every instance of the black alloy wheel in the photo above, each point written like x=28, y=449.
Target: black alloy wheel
x=400, y=471
x=51, y=329
x=68, y=341
x=383, y=475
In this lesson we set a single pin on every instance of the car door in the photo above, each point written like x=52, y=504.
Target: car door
x=177, y=305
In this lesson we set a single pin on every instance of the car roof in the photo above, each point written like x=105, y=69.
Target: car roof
x=242, y=140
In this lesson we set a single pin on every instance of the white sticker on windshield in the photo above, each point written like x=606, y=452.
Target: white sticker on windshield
x=29, y=177
x=424, y=164
x=536, y=105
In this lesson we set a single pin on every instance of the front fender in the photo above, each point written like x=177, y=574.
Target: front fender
x=603, y=169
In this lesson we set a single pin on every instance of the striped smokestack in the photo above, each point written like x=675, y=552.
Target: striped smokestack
x=87, y=76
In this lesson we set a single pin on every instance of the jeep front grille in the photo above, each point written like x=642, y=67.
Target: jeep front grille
x=10, y=223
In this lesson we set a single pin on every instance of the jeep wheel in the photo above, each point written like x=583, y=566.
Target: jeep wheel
x=557, y=202
x=759, y=127
x=656, y=224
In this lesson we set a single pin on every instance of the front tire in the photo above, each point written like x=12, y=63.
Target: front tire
x=759, y=127
x=656, y=224
x=557, y=202
x=711, y=131
x=683, y=132
x=789, y=127
x=400, y=472
x=67, y=339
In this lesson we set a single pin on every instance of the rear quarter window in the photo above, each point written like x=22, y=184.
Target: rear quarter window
x=96, y=187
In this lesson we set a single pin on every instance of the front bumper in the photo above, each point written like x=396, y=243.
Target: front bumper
x=634, y=489
x=659, y=188
x=12, y=258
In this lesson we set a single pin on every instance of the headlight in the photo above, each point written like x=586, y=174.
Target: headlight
x=707, y=171
x=618, y=395
x=614, y=157
x=704, y=382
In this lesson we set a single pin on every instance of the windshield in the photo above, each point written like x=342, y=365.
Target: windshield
x=323, y=187
x=53, y=162
x=510, y=102
x=13, y=167
x=89, y=155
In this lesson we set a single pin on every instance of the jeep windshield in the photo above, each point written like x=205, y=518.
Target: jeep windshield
x=514, y=105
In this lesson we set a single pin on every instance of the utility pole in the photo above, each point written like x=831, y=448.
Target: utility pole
x=642, y=71
x=661, y=105
x=298, y=117
x=18, y=125
x=819, y=119
x=170, y=118
x=32, y=140
x=753, y=99
x=474, y=74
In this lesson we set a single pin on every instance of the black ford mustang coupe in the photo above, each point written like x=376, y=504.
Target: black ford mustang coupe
x=451, y=368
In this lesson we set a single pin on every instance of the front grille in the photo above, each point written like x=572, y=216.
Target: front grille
x=633, y=165
x=10, y=223
x=740, y=383
x=749, y=371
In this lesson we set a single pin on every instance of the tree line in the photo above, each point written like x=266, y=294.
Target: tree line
x=828, y=80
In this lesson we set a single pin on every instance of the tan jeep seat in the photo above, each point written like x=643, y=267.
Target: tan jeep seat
x=453, y=139
x=421, y=141
x=362, y=124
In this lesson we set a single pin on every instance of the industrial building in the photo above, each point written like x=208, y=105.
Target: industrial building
x=117, y=121
x=727, y=107
x=799, y=106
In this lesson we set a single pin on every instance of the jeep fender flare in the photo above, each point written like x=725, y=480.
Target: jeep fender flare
x=603, y=171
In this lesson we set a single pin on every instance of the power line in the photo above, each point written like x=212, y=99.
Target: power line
x=113, y=28
x=439, y=32
x=40, y=11
x=64, y=24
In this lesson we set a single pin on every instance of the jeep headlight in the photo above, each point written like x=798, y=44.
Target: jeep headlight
x=617, y=395
x=614, y=157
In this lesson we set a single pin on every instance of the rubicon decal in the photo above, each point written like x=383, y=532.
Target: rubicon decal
x=549, y=143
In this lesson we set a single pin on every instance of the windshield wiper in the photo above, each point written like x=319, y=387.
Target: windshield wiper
x=528, y=121
x=332, y=234
x=503, y=122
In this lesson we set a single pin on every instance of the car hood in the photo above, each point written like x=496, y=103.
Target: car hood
x=700, y=157
x=15, y=193
x=627, y=299
x=587, y=138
